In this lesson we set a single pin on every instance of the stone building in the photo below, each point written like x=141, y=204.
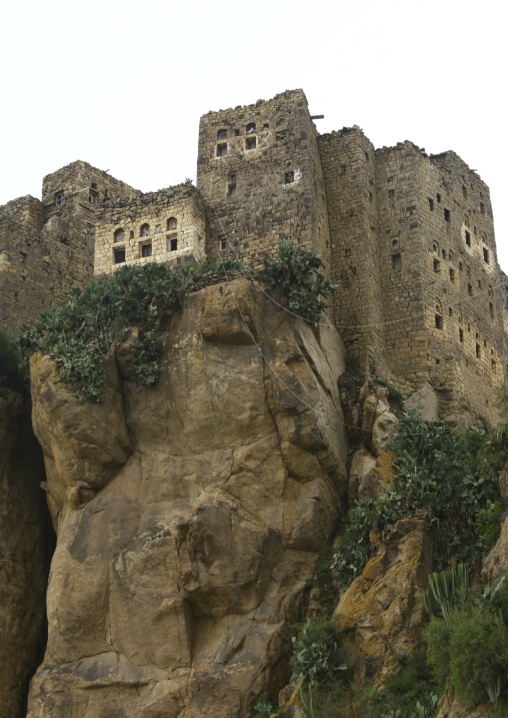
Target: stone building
x=409, y=238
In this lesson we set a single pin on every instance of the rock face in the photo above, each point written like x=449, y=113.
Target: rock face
x=382, y=612
x=25, y=545
x=190, y=514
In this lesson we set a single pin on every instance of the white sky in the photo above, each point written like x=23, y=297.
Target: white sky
x=122, y=85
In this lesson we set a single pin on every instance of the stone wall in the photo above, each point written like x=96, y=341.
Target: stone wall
x=260, y=174
x=39, y=260
x=79, y=187
x=167, y=226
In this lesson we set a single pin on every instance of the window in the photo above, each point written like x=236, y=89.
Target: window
x=119, y=255
x=431, y=204
x=396, y=261
x=145, y=230
x=146, y=249
x=468, y=238
x=452, y=275
x=443, y=252
x=447, y=215
x=119, y=236
x=93, y=196
x=265, y=127
x=59, y=197
x=222, y=135
x=482, y=208
x=486, y=255
x=224, y=243
x=464, y=191
x=173, y=244
x=461, y=336
x=250, y=143
x=251, y=127
x=478, y=351
x=439, y=321
x=289, y=177
x=171, y=224
x=491, y=310
x=222, y=150
x=437, y=266
x=232, y=186
x=280, y=121
x=450, y=312
x=438, y=197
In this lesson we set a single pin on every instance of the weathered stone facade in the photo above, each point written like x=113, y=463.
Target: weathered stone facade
x=166, y=226
x=47, y=247
x=409, y=238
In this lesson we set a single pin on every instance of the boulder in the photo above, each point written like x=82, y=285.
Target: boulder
x=190, y=514
x=381, y=613
x=424, y=402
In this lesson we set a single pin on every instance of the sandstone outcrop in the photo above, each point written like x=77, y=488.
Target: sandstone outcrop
x=190, y=514
x=381, y=613
x=25, y=545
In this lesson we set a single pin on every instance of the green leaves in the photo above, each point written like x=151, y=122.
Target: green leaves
x=451, y=478
x=296, y=273
x=78, y=333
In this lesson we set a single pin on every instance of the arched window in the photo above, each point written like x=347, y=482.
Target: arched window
x=251, y=127
x=119, y=235
x=145, y=230
x=172, y=224
x=222, y=135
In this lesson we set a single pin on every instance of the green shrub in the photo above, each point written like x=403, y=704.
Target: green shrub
x=489, y=523
x=265, y=709
x=295, y=271
x=448, y=477
x=317, y=657
x=220, y=266
x=79, y=333
x=478, y=651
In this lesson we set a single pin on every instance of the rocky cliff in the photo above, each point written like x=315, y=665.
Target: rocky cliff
x=25, y=544
x=188, y=515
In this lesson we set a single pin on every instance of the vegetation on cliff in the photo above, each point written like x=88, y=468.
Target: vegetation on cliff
x=452, y=478
x=80, y=332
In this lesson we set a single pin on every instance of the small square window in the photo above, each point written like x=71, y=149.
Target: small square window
x=250, y=143
x=289, y=177
x=146, y=250
x=224, y=243
x=173, y=244
x=93, y=197
x=222, y=150
x=119, y=255
x=59, y=197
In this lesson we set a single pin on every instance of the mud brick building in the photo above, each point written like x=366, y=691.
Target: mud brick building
x=409, y=238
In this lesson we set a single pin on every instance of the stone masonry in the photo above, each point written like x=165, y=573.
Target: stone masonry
x=409, y=238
